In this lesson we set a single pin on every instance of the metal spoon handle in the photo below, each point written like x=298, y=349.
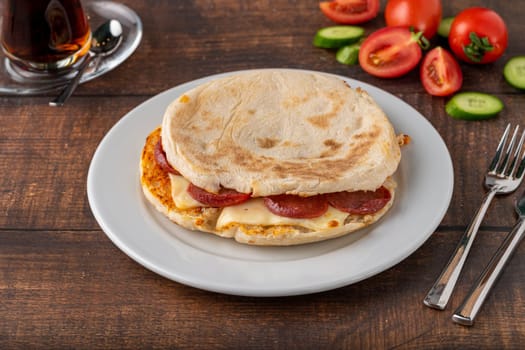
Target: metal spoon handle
x=73, y=83
x=441, y=291
x=468, y=310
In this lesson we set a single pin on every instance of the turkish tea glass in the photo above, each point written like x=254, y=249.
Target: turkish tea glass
x=45, y=35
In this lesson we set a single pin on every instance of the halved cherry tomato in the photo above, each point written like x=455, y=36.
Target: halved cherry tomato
x=224, y=198
x=390, y=52
x=350, y=11
x=423, y=16
x=440, y=73
x=478, y=35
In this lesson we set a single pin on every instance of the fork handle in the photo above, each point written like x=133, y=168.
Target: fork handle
x=468, y=310
x=441, y=291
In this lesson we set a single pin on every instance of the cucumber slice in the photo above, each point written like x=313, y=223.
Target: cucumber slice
x=444, y=26
x=348, y=54
x=337, y=36
x=473, y=106
x=514, y=72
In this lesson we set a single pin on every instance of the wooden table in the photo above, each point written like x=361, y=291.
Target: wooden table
x=64, y=284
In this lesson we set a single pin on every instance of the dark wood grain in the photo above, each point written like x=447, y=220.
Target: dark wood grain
x=64, y=284
x=76, y=288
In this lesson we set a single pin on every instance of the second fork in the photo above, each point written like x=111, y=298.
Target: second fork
x=504, y=176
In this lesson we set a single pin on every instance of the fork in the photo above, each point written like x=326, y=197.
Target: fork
x=504, y=176
x=468, y=310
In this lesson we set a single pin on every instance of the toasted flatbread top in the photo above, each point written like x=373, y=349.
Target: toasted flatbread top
x=280, y=131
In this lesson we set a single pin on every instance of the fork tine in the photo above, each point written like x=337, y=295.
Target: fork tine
x=515, y=158
x=497, y=157
x=520, y=171
x=510, y=147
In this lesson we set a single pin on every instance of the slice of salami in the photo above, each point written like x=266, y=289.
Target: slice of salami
x=292, y=206
x=360, y=202
x=161, y=159
x=224, y=198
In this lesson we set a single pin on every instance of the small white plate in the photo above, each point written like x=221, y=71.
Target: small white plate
x=425, y=184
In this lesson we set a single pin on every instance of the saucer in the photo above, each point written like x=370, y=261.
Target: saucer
x=16, y=81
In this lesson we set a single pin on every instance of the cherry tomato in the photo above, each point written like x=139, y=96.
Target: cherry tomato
x=440, y=73
x=423, y=16
x=390, y=52
x=350, y=11
x=224, y=198
x=478, y=35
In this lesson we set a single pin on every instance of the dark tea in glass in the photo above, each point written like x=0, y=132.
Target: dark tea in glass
x=45, y=35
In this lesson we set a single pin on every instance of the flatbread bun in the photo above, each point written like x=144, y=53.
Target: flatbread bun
x=274, y=131
x=156, y=186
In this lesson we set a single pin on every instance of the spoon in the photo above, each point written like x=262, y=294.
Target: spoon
x=106, y=40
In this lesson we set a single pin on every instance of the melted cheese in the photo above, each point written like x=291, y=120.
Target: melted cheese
x=253, y=211
x=180, y=195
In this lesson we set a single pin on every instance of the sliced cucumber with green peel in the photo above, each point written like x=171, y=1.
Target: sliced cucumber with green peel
x=444, y=26
x=473, y=106
x=514, y=72
x=337, y=36
x=348, y=54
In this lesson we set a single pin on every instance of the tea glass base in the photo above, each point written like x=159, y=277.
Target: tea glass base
x=23, y=75
x=18, y=81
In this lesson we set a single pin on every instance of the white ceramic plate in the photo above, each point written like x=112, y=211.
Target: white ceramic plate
x=425, y=184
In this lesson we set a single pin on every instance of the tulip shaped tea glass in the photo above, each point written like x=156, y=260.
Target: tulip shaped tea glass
x=45, y=35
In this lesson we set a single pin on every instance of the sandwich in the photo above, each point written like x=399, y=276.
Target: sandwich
x=272, y=157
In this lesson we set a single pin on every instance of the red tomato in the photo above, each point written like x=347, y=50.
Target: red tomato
x=350, y=11
x=224, y=198
x=440, y=73
x=390, y=52
x=478, y=35
x=423, y=15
